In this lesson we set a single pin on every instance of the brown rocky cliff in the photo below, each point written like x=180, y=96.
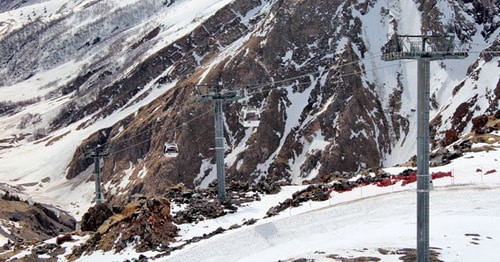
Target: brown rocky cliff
x=28, y=223
x=293, y=48
x=258, y=61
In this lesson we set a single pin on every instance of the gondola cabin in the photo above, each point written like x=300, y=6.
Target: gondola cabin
x=171, y=150
x=250, y=117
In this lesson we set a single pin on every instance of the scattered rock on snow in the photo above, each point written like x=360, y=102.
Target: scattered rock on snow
x=312, y=192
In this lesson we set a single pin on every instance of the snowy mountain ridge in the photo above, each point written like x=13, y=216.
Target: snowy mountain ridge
x=122, y=73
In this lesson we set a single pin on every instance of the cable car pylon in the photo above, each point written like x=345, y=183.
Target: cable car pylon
x=219, y=94
x=97, y=154
x=423, y=48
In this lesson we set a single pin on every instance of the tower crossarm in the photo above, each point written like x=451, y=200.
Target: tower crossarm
x=432, y=47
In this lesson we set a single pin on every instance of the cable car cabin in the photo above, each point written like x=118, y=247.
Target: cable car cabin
x=250, y=117
x=171, y=150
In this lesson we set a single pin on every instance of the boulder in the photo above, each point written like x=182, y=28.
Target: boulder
x=478, y=123
x=146, y=222
x=95, y=216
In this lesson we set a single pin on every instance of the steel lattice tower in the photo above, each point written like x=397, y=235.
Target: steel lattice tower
x=218, y=94
x=424, y=49
x=97, y=154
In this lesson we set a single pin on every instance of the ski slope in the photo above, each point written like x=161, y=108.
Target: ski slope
x=464, y=222
x=386, y=221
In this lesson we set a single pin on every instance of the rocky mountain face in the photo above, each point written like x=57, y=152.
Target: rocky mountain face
x=148, y=218
x=124, y=75
x=24, y=223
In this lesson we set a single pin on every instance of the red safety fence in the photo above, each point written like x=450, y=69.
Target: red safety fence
x=386, y=182
x=393, y=179
x=408, y=179
x=412, y=178
x=490, y=172
x=479, y=170
x=437, y=175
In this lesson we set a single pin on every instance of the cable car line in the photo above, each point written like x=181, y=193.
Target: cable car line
x=272, y=85
x=205, y=113
x=259, y=85
x=168, y=131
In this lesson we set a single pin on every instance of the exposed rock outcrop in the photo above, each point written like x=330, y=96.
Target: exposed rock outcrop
x=146, y=223
x=24, y=224
x=95, y=216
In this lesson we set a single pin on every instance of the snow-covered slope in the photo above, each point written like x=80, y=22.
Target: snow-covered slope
x=368, y=221
x=460, y=230
x=75, y=74
x=358, y=223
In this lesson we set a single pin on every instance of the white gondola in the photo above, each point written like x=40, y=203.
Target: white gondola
x=250, y=117
x=171, y=150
